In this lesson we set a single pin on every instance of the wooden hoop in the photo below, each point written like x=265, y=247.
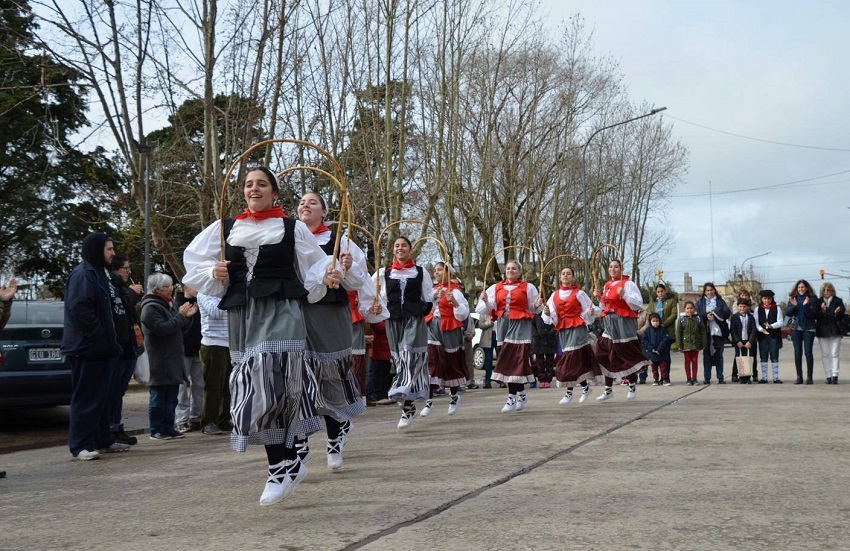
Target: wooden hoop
x=487, y=266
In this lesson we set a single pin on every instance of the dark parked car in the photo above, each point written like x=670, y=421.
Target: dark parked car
x=33, y=371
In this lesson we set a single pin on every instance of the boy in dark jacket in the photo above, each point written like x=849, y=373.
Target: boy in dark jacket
x=744, y=334
x=656, y=343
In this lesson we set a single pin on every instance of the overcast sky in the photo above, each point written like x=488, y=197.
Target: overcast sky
x=771, y=70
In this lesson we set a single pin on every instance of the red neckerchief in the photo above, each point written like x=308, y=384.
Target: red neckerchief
x=408, y=264
x=570, y=288
x=515, y=282
x=321, y=228
x=274, y=212
x=769, y=307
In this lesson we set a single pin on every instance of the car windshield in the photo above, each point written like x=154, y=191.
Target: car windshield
x=36, y=313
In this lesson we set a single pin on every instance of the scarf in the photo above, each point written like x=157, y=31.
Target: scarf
x=569, y=288
x=274, y=212
x=321, y=228
x=408, y=264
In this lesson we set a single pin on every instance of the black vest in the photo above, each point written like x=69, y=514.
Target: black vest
x=413, y=306
x=333, y=296
x=770, y=318
x=274, y=272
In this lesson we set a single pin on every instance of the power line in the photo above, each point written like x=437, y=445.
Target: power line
x=770, y=186
x=757, y=139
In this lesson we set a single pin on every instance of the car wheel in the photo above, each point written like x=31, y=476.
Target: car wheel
x=478, y=358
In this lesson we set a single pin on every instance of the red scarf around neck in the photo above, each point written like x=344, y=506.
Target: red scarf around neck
x=274, y=212
x=408, y=264
x=569, y=288
x=321, y=228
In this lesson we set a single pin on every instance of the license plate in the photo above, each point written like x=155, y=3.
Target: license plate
x=45, y=354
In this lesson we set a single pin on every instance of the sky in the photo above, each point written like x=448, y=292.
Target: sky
x=773, y=71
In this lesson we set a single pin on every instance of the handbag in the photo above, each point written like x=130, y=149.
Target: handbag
x=744, y=364
x=140, y=339
x=142, y=373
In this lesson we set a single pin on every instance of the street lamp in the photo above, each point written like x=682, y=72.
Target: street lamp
x=744, y=264
x=146, y=149
x=584, y=177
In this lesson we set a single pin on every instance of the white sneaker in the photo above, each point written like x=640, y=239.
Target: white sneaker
x=568, y=397
x=521, y=399
x=406, y=419
x=426, y=411
x=584, y=394
x=87, y=455
x=510, y=405
x=335, y=452
x=668, y=383
x=454, y=404
x=656, y=383
x=607, y=395
x=631, y=395
x=115, y=447
x=283, y=478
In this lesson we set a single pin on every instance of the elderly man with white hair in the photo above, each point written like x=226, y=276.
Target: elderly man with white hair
x=162, y=327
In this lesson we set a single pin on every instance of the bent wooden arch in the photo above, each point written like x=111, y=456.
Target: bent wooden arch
x=487, y=266
x=594, y=268
x=553, y=259
x=443, y=249
x=378, y=249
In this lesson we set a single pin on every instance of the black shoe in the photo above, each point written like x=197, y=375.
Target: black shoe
x=835, y=380
x=762, y=381
x=123, y=438
x=829, y=380
x=799, y=381
x=722, y=382
x=777, y=382
x=2, y=474
x=736, y=379
x=809, y=382
x=194, y=425
x=487, y=385
x=371, y=403
x=473, y=386
x=708, y=382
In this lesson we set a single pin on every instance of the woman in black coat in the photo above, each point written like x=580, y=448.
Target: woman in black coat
x=830, y=316
x=715, y=314
x=544, y=347
x=162, y=327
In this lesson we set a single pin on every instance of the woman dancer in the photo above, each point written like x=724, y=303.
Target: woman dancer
x=514, y=302
x=408, y=294
x=446, y=358
x=569, y=309
x=618, y=349
x=272, y=263
x=329, y=333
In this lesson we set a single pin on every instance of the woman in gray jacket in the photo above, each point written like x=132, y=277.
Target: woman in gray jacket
x=162, y=327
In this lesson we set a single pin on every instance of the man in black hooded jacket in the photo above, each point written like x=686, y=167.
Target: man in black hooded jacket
x=92, y=346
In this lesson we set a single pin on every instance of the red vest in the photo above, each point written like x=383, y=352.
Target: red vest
x=519, y=301
x=448, y=322
x=568, y=310
x=353, y=302
x=612, y=301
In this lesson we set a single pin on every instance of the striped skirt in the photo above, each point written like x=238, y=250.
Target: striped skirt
x=513, y=338
x=272, y=391
x=408, y=339
x=618, y=350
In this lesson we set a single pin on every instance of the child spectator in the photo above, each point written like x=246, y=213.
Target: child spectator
x=769, y=320
x=656, y=347
x=744, y=334
x=690, y=339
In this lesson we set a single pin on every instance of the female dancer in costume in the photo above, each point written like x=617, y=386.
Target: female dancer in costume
x=446, y=358
x=618, y=349
x=329, y=333
x=272, y=263
x=514, y=302
x=569, y=309
x=407, y=291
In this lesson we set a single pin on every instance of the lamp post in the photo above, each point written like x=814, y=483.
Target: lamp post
x=744, y=263
x=146, y=149
x=584, y=177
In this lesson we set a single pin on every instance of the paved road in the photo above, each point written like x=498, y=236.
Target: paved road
x=704, y=468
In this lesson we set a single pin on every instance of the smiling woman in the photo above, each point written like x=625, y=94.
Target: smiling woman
x=272, y=265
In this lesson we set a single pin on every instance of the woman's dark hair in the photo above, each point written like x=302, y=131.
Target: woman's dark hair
x=270, y=175
x=654, y=315
x=409, y=244
x=809, y=291
x=118, y=262
x=660, y=286
x=618, y=261
x=709, y=284
x=689, y=302
x=570, y=268
x=745, y=301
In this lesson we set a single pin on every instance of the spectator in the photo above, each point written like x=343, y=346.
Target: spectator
x=6, y=295
x=380, y=367
x=656, y=347
x=162, y=327
x=543, y=346
x=130, y=294
x=486, y=342
x=831, y=312
x=215, y=360
x=690, y=338
x=803, y=308
x=90, y=343
x=769, y=321
x=744, y=334
x=715, y=314
x=190, y=396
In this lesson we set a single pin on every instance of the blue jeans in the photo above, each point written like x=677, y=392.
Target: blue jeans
x=123, y=373
x=768, y=349
x=161, y=408
x=488, y=364
x=709, y=359
x=803, y=342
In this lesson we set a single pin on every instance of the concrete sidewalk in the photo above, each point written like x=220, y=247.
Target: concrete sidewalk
x=708, y=467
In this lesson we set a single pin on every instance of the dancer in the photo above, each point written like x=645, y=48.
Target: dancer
x=329, y=333
x=446, y=358
x=569, y=309
x=618, y=350
x=272, y=263
x=408, y=294
x=514, y=302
